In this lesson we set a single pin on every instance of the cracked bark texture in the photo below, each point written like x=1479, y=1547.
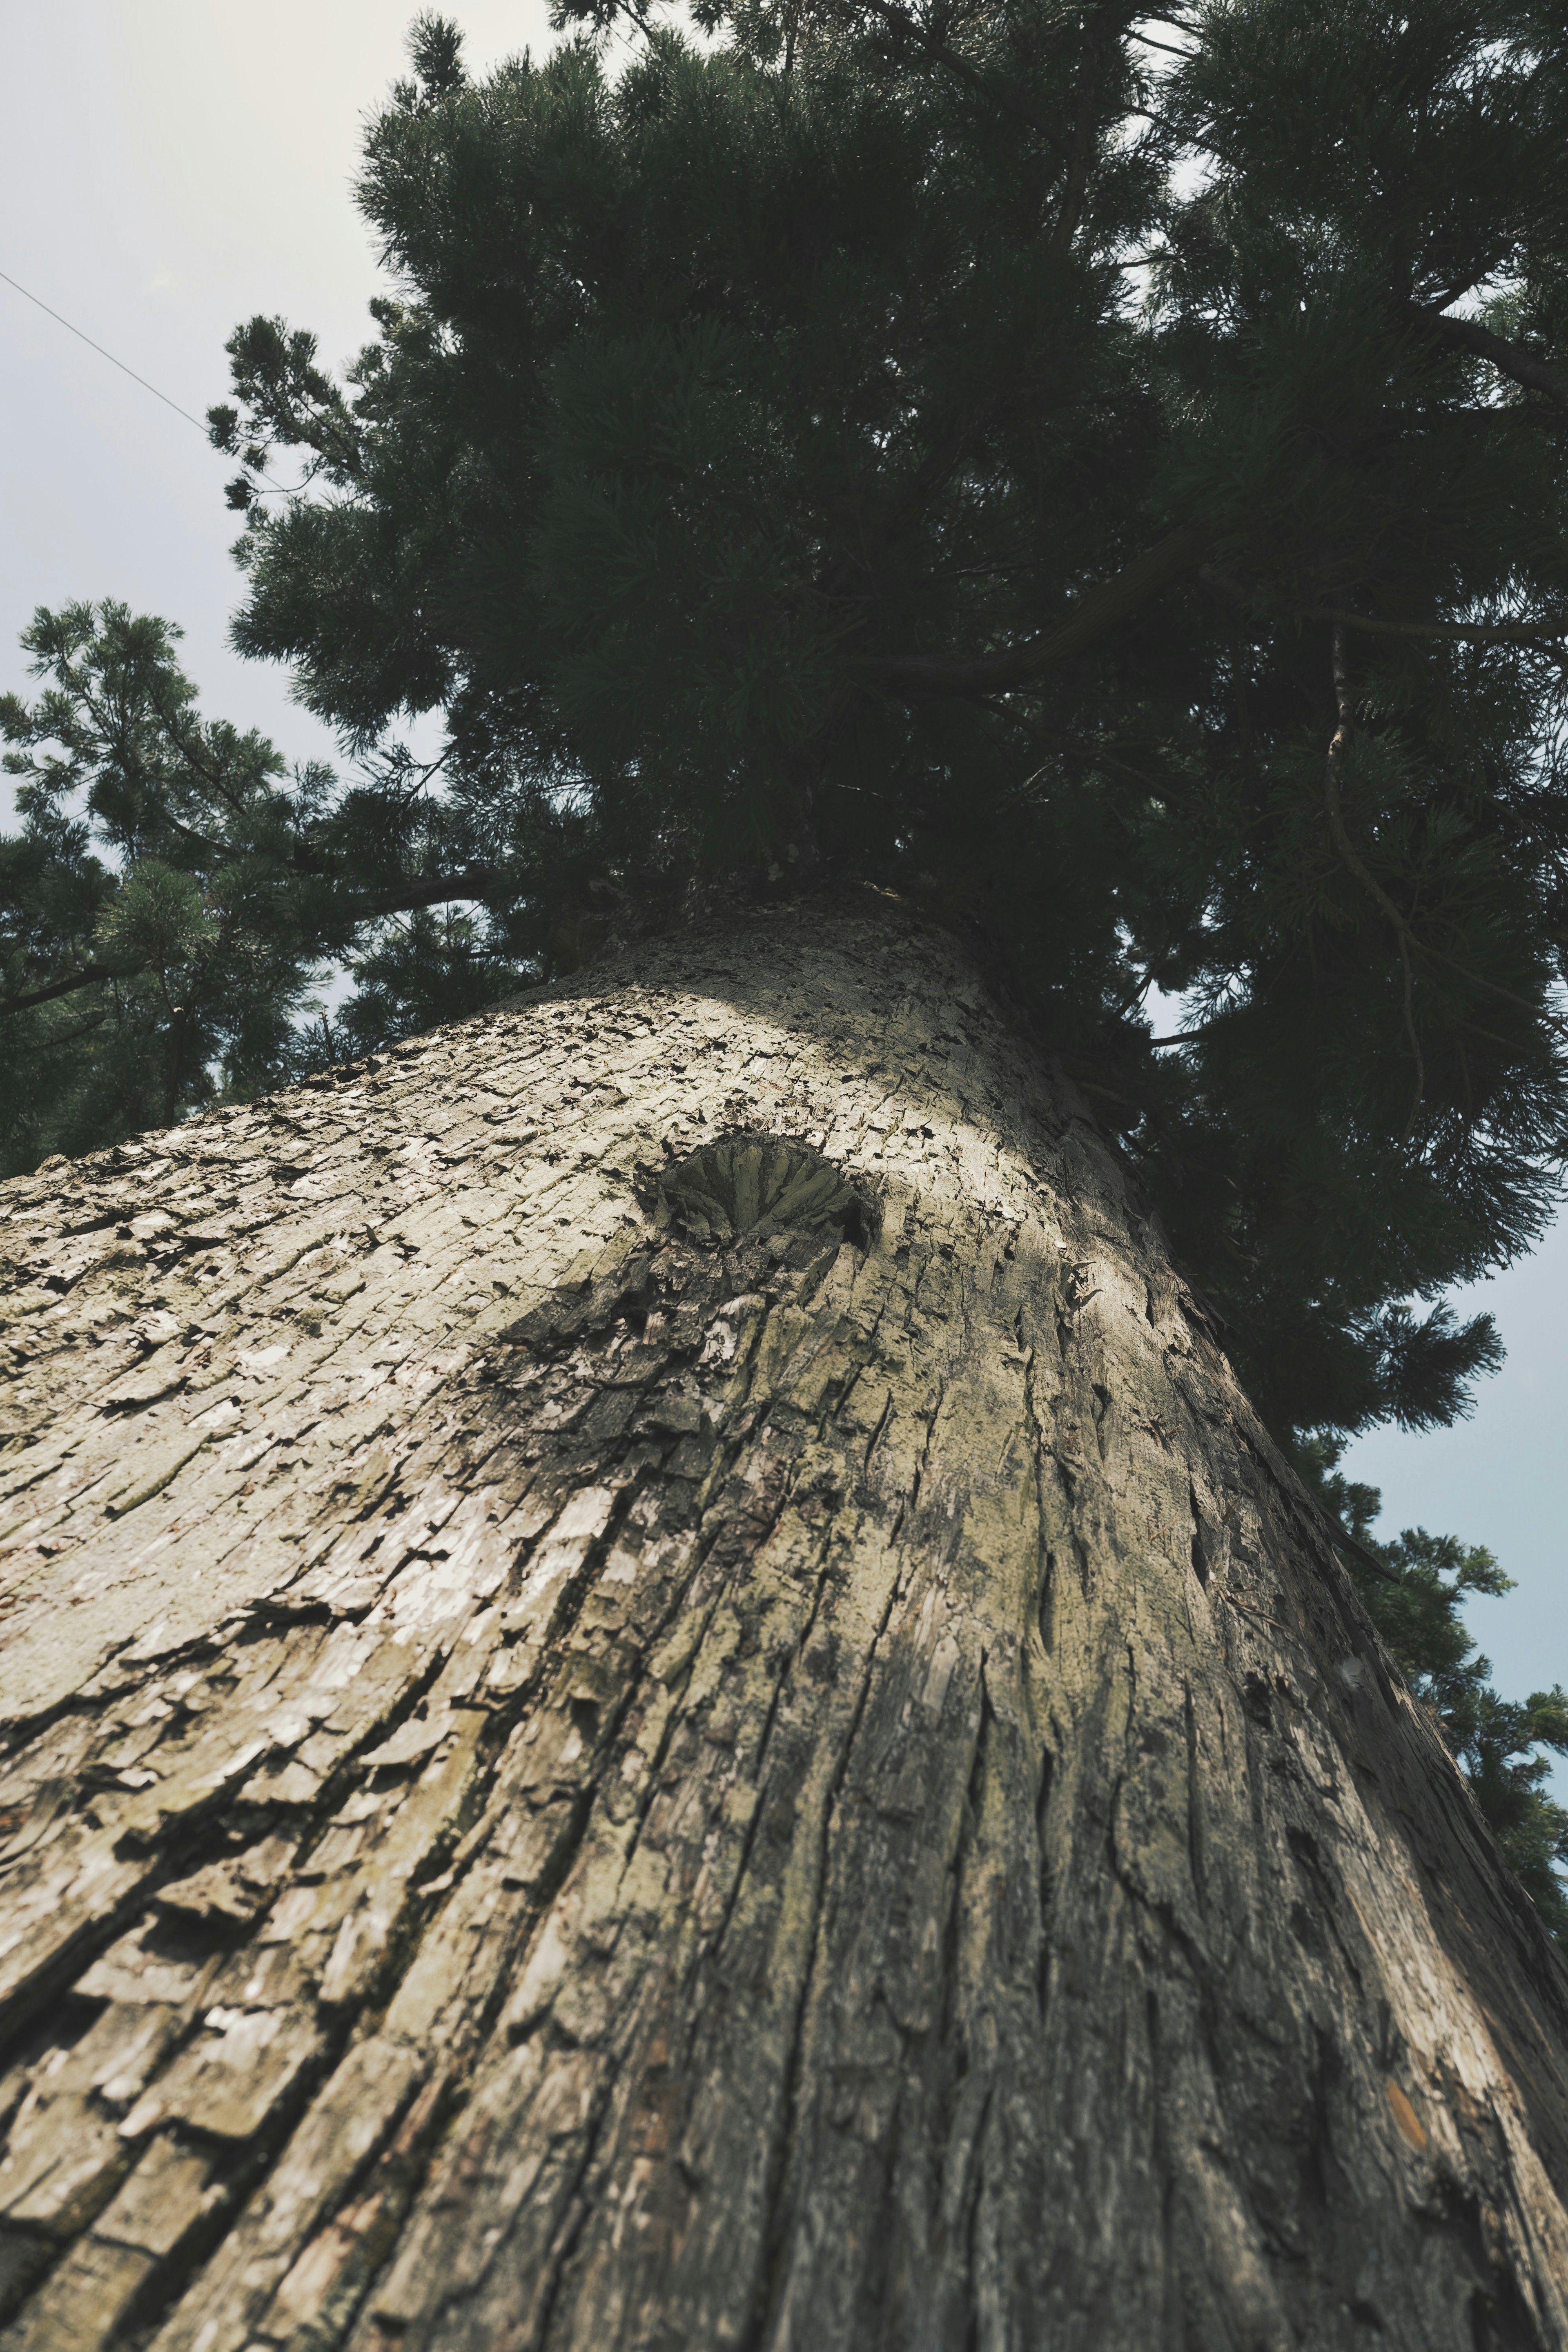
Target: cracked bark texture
x=569, y=1786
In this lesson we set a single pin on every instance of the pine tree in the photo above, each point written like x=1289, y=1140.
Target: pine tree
x=173, y=897
x=745, y=1737
x=967, y=451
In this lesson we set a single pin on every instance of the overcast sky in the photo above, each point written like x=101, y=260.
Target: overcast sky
x=172, y=166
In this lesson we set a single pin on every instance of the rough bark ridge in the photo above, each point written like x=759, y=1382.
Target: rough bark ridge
x=575, y=1785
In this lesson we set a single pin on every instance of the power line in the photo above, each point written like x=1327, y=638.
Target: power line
x=131, y=372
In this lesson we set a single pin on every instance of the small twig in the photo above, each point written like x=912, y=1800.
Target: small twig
x=1339, y=751
x=1245, y=1607
x=1406, y=937
x=1494, y=987
x=1507, y=1045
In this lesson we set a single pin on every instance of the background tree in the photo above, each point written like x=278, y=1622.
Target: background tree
x=174, y=894
x=1417, y=1603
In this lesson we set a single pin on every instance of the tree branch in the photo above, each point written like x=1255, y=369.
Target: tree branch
x=1403, y=931
x=475, y=883
x=1185, y=1036
x=1095, y=612
x=1339, y=751
x=1534, y=418
x=1509, y=358
x=1341, y=1535
x=1090, y=76
x=900, y=21
x=934, y=470
x=89, y=977
x=1509, y=632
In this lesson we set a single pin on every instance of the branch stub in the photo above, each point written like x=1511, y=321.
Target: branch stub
x=744, y=1187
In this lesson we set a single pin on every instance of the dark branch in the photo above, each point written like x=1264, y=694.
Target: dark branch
x=1092, y=72
x=899, y=20
x=1368, y=1558
x=89, y=977
x=1097, y=612
x=1509, y=358
x=475, y=883
x=1507, y=633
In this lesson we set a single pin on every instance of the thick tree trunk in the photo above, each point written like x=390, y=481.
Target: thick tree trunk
x=579, y=1783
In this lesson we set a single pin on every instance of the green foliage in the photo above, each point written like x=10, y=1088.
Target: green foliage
x=172, y=896
x=1497, y=1742
x=434, y=964
x=157, y=921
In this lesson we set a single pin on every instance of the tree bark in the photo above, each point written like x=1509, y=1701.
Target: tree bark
x=575, y=1783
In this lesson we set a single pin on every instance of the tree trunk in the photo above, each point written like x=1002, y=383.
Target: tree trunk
x=579, y=1781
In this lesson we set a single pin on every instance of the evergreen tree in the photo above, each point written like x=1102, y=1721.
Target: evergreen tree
x=174, y=895
x=1112, y=495
x=660, y=1687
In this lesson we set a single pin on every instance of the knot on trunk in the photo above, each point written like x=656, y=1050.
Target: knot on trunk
x=744, y=1187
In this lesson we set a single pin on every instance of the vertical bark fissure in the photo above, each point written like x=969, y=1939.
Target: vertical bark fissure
x=760, y=2332
x=781, y=1691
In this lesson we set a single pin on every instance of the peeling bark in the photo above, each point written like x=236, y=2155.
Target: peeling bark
x=574, y=1784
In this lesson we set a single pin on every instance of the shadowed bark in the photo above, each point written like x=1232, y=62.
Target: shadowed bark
x=578, y=1778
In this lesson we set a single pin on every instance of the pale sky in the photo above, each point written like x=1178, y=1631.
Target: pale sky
x=172, y=166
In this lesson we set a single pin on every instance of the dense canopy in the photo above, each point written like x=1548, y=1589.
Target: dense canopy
x=1097, y=474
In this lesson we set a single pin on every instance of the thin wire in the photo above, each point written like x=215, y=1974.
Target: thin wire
x=131, y=372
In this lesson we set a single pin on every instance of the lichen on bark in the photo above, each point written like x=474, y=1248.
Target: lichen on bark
x=573, y=1781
